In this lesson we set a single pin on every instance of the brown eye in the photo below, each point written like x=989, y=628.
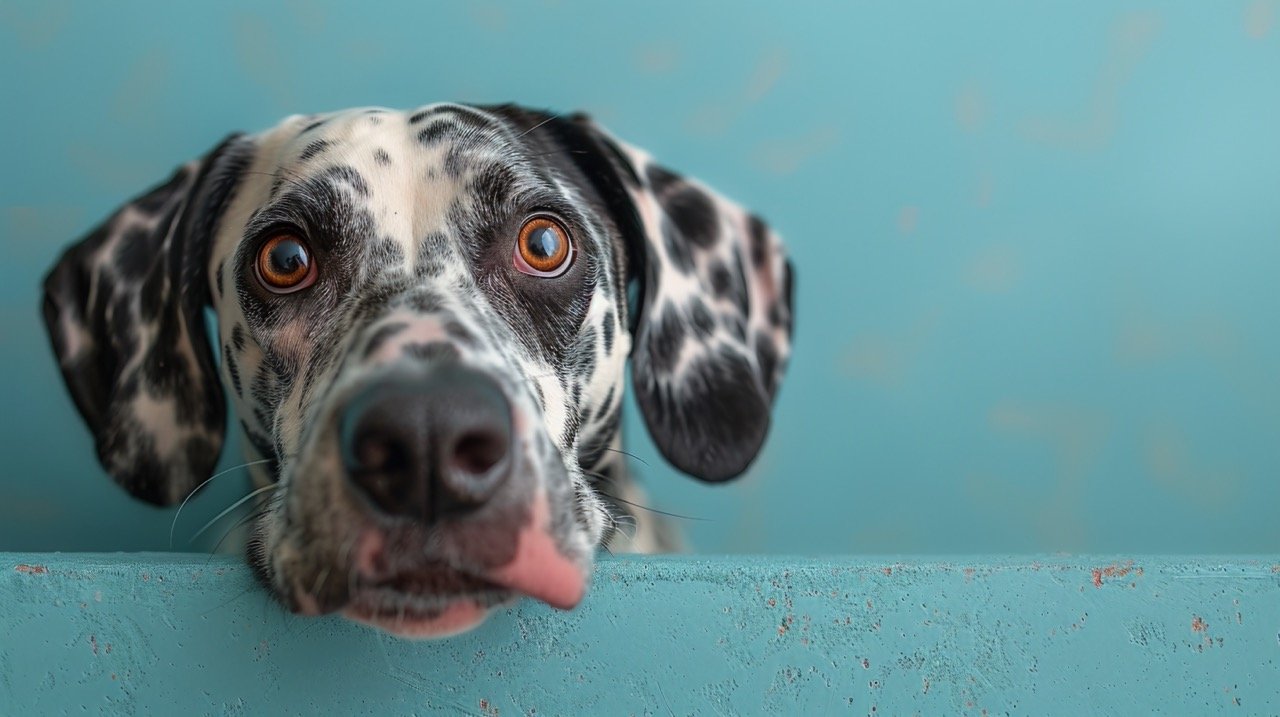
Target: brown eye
x=543, y=248
x=284, y=264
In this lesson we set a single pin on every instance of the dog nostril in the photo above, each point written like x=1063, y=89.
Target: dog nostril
x=477, y=453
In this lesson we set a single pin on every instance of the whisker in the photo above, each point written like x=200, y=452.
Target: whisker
x=559, y=151
x=536, y=126
x=626, y=453
x=233, y=506
x=183, y=504
x=227, y=533
x=654, y=510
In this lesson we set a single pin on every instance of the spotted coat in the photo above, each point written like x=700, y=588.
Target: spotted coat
x=411, y=218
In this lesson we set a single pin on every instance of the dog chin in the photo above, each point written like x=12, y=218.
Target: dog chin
x=379, y=610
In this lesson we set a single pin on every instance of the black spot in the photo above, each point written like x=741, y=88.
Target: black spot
x=492, y=185
x=694, y=215
x=741, y=296
x=767, y=358
x=661, y=180
x=608, y=333
x=777, y=314
x=237, y=337
x=677, y=249
x=433, y=251
x=384, y=254
x=664, y=341
x=605, y=405
x=217, y=279
x=423, y=303
x=349, y=176
x=381, y=157
x=459, y=333
x=704, y=324
x=735, y=325
x=284, y=370
x=721, y=280
x=759, y=240
x=435, y=351
x=586, y=364
x=313, y=149
x=260, y=443
x=595, y=451
x=313, y=125
x=233, y=369
x=381, y=335
x=456, y=120
x=435, y=132
x=263, y=391
x=689, y=207
x=135, y=254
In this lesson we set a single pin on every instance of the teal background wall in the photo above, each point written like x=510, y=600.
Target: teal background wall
x=190, y=634
x=1037, y=245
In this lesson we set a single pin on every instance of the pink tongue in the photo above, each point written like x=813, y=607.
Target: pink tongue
x=538, y=569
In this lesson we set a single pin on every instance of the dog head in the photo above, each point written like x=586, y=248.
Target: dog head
x=423, y=320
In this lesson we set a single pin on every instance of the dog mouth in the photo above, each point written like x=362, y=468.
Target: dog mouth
x=436, y=598
x=433, y=602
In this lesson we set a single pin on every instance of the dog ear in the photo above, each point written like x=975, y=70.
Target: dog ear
x=711, y=330
x=124, y=309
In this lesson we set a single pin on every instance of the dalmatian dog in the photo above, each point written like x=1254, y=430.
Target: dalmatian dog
x=423, y=322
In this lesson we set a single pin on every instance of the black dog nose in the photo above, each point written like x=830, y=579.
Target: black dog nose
x=429, y=447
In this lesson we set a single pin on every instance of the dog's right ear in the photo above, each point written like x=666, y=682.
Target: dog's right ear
x=124, y=308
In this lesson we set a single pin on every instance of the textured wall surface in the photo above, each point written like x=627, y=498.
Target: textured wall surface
x=1036, y=242
x=183, y=634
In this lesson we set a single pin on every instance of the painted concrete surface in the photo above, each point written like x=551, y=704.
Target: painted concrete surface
x=185, y=634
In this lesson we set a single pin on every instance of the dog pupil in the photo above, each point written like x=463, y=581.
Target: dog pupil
x=544, y=242
x=287, y=257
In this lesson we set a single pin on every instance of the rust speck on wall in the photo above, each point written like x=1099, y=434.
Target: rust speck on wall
x=31, y=569
x=1115, y=570
x=1198, y=624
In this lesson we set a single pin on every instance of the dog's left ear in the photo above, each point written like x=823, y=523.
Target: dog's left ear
x=124, y=309
x=712, y=332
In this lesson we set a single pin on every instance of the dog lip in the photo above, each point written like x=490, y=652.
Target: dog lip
x=538, y=569
x=454, y=617
x=437, y=580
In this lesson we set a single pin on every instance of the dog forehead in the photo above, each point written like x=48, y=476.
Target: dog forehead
x=416, y=166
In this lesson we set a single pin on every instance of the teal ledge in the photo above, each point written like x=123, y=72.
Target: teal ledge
x=184, y=634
